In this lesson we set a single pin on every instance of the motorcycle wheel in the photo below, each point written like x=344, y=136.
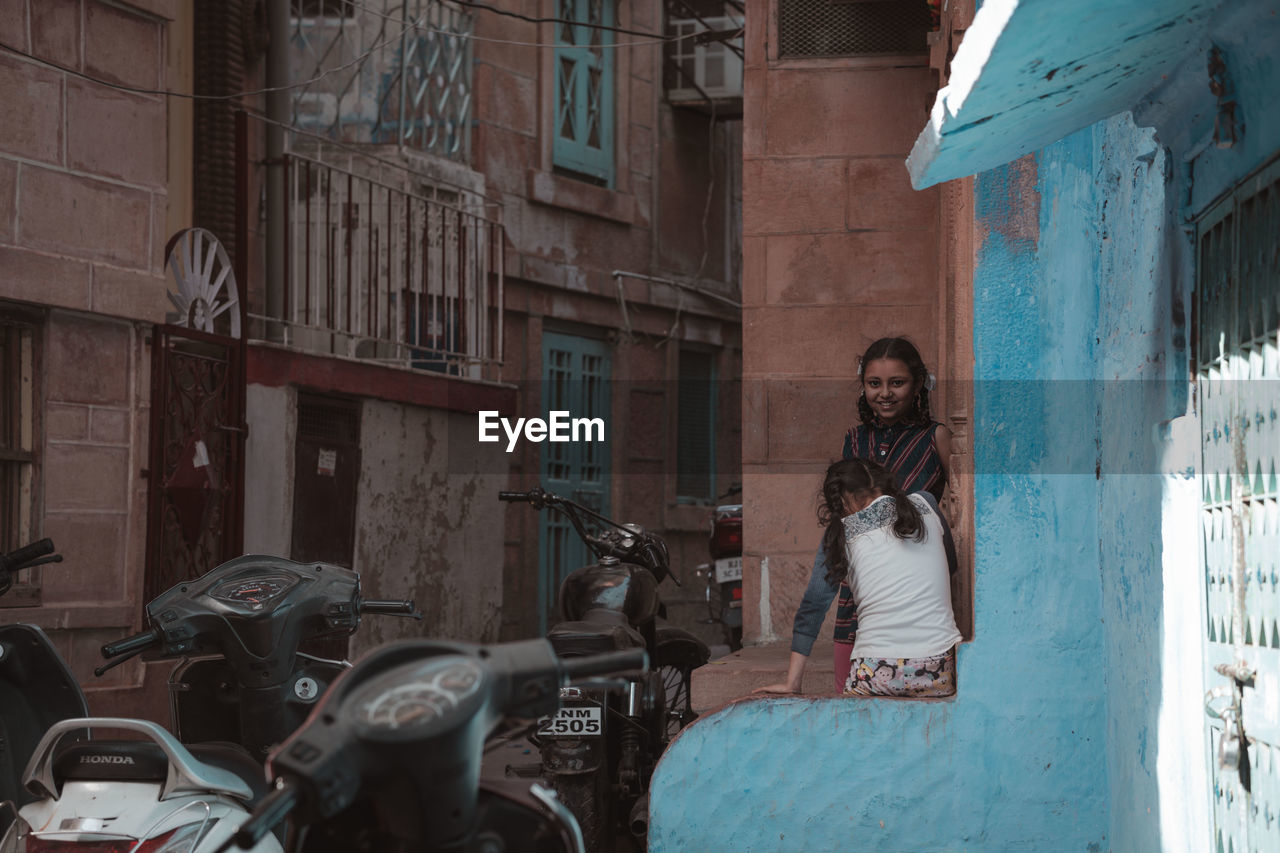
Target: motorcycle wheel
x=679, y=709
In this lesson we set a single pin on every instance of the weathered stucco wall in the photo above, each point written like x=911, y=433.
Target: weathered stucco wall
x=1027, y=734
x=428, y=523
x=272, y=418
x=1066, y=734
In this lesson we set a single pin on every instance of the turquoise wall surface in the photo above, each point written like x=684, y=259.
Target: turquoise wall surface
x=1018, y=760
x=1079, y=723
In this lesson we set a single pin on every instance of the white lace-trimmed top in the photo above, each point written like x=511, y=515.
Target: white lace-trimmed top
x=902, y=587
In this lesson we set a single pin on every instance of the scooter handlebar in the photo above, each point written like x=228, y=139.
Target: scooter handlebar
x=15, y=560
x=402, y=607
x=130, y=645
x=513, y=497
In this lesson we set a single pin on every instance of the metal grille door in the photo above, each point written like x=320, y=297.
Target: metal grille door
x=195, y=496
x=575, y=379
x=1238, y=364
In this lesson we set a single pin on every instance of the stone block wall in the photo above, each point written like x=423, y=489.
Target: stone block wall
x=83, y=212
x=838, y=250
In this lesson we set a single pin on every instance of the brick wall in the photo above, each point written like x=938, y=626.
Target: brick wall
x=838, y=250
x=83, y=203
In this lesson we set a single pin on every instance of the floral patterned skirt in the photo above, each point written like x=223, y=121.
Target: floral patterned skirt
x=918, y=677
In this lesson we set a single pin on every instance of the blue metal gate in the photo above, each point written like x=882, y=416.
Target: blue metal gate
x=1238, y=365
x=575, y=379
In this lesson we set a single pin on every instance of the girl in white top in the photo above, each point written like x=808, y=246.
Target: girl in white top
x=897, y=552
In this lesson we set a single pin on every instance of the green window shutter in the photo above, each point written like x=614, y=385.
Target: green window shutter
x=696, y=428
x=584, y=91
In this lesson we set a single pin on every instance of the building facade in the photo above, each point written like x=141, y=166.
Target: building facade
x=428, y=212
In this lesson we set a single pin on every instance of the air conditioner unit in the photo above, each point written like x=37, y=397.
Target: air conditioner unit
x=712, y=66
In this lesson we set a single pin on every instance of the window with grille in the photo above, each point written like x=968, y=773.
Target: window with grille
x=812, y=28
x=583, y=142
x=17, y=447
x=696, y=427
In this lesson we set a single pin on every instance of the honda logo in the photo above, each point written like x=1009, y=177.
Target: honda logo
x=105, y=759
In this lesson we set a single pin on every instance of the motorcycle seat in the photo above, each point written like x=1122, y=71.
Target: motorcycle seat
x=115, y=761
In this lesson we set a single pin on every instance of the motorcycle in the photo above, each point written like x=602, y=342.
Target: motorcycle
x=241, y=688
x=723, y=574
x=36, y=687
x=392, y=753
x=599, y=750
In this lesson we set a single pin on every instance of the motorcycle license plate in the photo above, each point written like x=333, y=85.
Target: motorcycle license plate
x=728, y=569
x=572, y=722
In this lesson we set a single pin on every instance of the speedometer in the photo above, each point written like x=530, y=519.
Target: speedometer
x=413, y=697
x=253, y=591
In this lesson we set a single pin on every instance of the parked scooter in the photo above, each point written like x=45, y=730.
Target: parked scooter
x=600, y=749
x=252, y=613
x=36, y=687
x=724, y=573
x=392, y=753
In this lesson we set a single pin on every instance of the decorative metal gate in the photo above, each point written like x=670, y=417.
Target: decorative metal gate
x=1238, y=366
x=575, y=379
x=195, y=496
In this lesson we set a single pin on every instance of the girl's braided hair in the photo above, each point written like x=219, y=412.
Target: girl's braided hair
x=904, y=351
x=861, y=478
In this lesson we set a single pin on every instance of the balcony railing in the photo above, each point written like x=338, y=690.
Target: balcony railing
x=382, y=263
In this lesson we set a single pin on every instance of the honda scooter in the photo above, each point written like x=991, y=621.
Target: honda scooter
x=242, y=685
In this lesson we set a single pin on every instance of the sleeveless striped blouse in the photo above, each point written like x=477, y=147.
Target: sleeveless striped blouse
x=909, y=452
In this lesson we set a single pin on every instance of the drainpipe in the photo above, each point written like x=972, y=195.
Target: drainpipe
x=278, y=111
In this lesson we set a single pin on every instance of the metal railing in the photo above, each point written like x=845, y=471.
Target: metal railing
x=383, y=263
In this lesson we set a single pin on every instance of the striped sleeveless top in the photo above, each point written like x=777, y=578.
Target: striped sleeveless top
x=907, y=451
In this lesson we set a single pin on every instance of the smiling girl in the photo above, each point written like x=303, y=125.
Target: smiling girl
x=897, y=431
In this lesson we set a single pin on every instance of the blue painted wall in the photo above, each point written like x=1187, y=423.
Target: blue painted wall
x=1078, y=724
x=1018, y=761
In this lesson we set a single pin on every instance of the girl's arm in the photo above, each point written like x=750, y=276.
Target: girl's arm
x=813, y=608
